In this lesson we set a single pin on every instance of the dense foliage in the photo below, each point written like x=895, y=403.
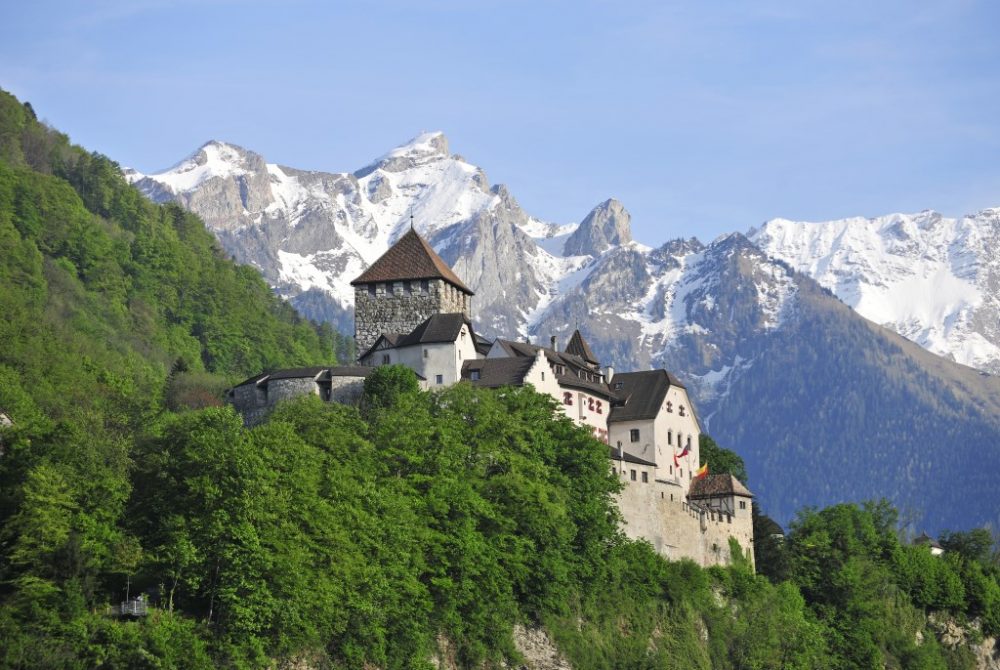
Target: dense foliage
x=417, y=525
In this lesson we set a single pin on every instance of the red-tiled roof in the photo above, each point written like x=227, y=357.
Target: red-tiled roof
x=410, y=258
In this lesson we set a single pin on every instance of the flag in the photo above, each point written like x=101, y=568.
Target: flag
x=702, y=471
x=683, y=453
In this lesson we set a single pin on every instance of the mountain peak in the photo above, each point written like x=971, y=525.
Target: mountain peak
x=423, y=144
x=607, y=225
x=422, y=149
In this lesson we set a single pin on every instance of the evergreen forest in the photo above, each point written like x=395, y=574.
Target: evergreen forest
x=414, y=530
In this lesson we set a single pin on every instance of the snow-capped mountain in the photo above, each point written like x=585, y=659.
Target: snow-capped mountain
x=932, y=279
x=780, y=368
x=311, y=233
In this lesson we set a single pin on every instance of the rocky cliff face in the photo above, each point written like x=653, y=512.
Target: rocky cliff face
x=737, y=318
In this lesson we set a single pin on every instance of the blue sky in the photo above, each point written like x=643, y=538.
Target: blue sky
x=702, y=117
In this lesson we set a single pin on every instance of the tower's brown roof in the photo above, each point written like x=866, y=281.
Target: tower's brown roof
x=577, y=345
x=410, y=258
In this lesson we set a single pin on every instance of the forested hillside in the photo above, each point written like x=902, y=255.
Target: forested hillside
x=418, y=527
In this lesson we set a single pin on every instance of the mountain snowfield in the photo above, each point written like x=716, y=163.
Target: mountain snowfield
x=755, y=324
x=932, y=279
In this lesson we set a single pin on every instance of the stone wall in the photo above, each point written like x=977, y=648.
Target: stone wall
x=659, y=513
x=400, y=306
x=255, y=401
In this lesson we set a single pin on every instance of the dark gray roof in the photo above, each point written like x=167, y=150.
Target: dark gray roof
x=579, y=347
x=495, y=372
x=573, y=366
x=319, y=373
x=621, y=455
x=718, y=485
x=640, y=394
x=297, y=373
x=483, y=345
x=437, y=328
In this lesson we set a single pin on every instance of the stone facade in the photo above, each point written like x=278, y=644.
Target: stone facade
x=659, y=512
x=400, y=306
x=255, y=398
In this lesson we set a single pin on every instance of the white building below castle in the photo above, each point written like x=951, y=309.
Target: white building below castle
x=411, y=309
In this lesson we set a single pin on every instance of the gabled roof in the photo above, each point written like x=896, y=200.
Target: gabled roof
x=494, y=372
x=573, y=365
x=483, y=345
x=410, y=258
x=640, y=394
x=617, y=454
x=435, y=329
x=579, y=347
x=711, y=486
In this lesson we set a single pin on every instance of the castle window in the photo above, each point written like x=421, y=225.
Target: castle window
x=671, y=497
x=645, y=477
x=459, y=354
x=743, y=504
x=424, y=287
x=426, y=353
x=671, y=469
x=670, y=407
x=474, y=375
x=689, y=442
x=632, y=475
x=670, y=437
x=633, y=435
x=543, y=376
x=681, y=412
x=680, y=471
x=385, y=359
x=371, y=289
x=397, y=287
x=567, y=398
x=439, y=379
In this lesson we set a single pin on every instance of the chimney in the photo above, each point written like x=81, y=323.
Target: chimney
x=609, y=372
x=553, y=341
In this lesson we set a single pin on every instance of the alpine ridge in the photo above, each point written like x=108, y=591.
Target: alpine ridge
x=720, y=314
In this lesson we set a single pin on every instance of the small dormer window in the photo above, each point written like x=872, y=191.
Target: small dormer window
x=474, y=375
x=619, y=386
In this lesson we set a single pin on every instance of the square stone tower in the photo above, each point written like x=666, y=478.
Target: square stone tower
x=408, y=284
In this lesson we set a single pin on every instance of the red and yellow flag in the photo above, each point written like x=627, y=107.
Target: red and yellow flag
x=702, y=471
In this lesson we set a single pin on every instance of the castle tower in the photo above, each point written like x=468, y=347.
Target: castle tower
x=406, y=285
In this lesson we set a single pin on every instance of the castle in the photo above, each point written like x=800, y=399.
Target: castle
x=412, y=309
